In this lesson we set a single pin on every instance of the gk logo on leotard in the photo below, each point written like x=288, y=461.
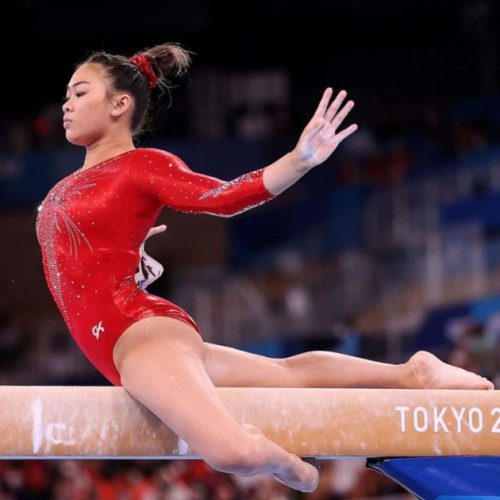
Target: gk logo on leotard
x=97, y=329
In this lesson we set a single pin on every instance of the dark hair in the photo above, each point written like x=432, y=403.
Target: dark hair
x=168, y=61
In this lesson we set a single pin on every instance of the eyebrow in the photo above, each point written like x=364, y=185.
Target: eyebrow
x=77, y=83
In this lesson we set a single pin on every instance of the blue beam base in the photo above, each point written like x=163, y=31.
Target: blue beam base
x=444, y=478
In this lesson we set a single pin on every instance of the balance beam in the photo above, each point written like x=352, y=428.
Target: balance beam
x=106, y=422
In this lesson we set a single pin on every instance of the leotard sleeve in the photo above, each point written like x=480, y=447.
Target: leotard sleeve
x=167, y=179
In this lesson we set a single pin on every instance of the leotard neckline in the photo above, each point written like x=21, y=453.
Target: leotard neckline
x=104, y=162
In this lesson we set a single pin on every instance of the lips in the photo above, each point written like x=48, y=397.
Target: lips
x=66, y=123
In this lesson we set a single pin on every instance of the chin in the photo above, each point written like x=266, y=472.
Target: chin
x=77, y=140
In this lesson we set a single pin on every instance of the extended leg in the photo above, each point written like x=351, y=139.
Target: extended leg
x=161, y=364
x=231, y=367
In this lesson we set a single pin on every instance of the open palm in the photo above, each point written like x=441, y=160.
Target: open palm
x=320, y=138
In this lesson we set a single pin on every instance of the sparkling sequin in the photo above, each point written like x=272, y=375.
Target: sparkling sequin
x=232, y=214
x=54, y=225
x=250, y=177
x=90, y=228
x=192, y=192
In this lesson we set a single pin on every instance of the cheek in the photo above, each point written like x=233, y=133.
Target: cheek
x=97, y=114
x=91, y=122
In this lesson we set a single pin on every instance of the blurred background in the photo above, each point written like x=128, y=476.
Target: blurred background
x=390, y=246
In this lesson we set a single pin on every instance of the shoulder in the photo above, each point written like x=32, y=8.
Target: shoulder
x=155, y=155
x=149, y=163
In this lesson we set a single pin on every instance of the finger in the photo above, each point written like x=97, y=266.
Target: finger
x=346, y=132
x=339, y=118
x=155, y=230
x=335, y=105
x=323, y=104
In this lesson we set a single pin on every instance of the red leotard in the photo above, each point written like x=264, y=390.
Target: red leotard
x=91, y=225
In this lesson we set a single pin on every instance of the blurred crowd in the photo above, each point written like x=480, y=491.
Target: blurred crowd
x=428, y=139
x=476, y=346
x=407, y=141
x=397, y=136
x=178, y=480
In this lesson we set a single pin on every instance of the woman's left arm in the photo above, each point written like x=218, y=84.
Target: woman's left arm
x=164, y=177
x=317, y=142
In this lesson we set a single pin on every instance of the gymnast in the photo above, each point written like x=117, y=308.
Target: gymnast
x=91, y=228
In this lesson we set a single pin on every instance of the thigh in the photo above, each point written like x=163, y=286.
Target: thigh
x=229, y=367
x=158, y=330
x=160, y=361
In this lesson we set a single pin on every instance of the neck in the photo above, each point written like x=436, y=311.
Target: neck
x=101, y=150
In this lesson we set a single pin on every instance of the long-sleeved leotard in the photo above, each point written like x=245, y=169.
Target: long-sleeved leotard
x=90, y=228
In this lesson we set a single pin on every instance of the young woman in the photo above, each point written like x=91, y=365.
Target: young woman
x=91, y=227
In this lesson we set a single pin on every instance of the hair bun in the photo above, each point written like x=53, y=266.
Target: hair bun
x=144, y=66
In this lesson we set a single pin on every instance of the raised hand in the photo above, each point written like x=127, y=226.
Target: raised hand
x=320, y=137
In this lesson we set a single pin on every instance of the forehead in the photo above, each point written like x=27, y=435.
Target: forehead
x=88, y=72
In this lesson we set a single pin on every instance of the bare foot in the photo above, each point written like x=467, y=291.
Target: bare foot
x=428, y=372
x=291, y=471
x=305, y=480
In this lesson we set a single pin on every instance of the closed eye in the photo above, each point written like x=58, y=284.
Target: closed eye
x=78, y=94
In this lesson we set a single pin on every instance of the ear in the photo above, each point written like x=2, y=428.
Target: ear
x=120, y=104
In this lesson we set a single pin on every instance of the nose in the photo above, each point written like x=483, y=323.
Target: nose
x=66, y=106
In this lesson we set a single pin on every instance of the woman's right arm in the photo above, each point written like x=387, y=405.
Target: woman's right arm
x=165, y=177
